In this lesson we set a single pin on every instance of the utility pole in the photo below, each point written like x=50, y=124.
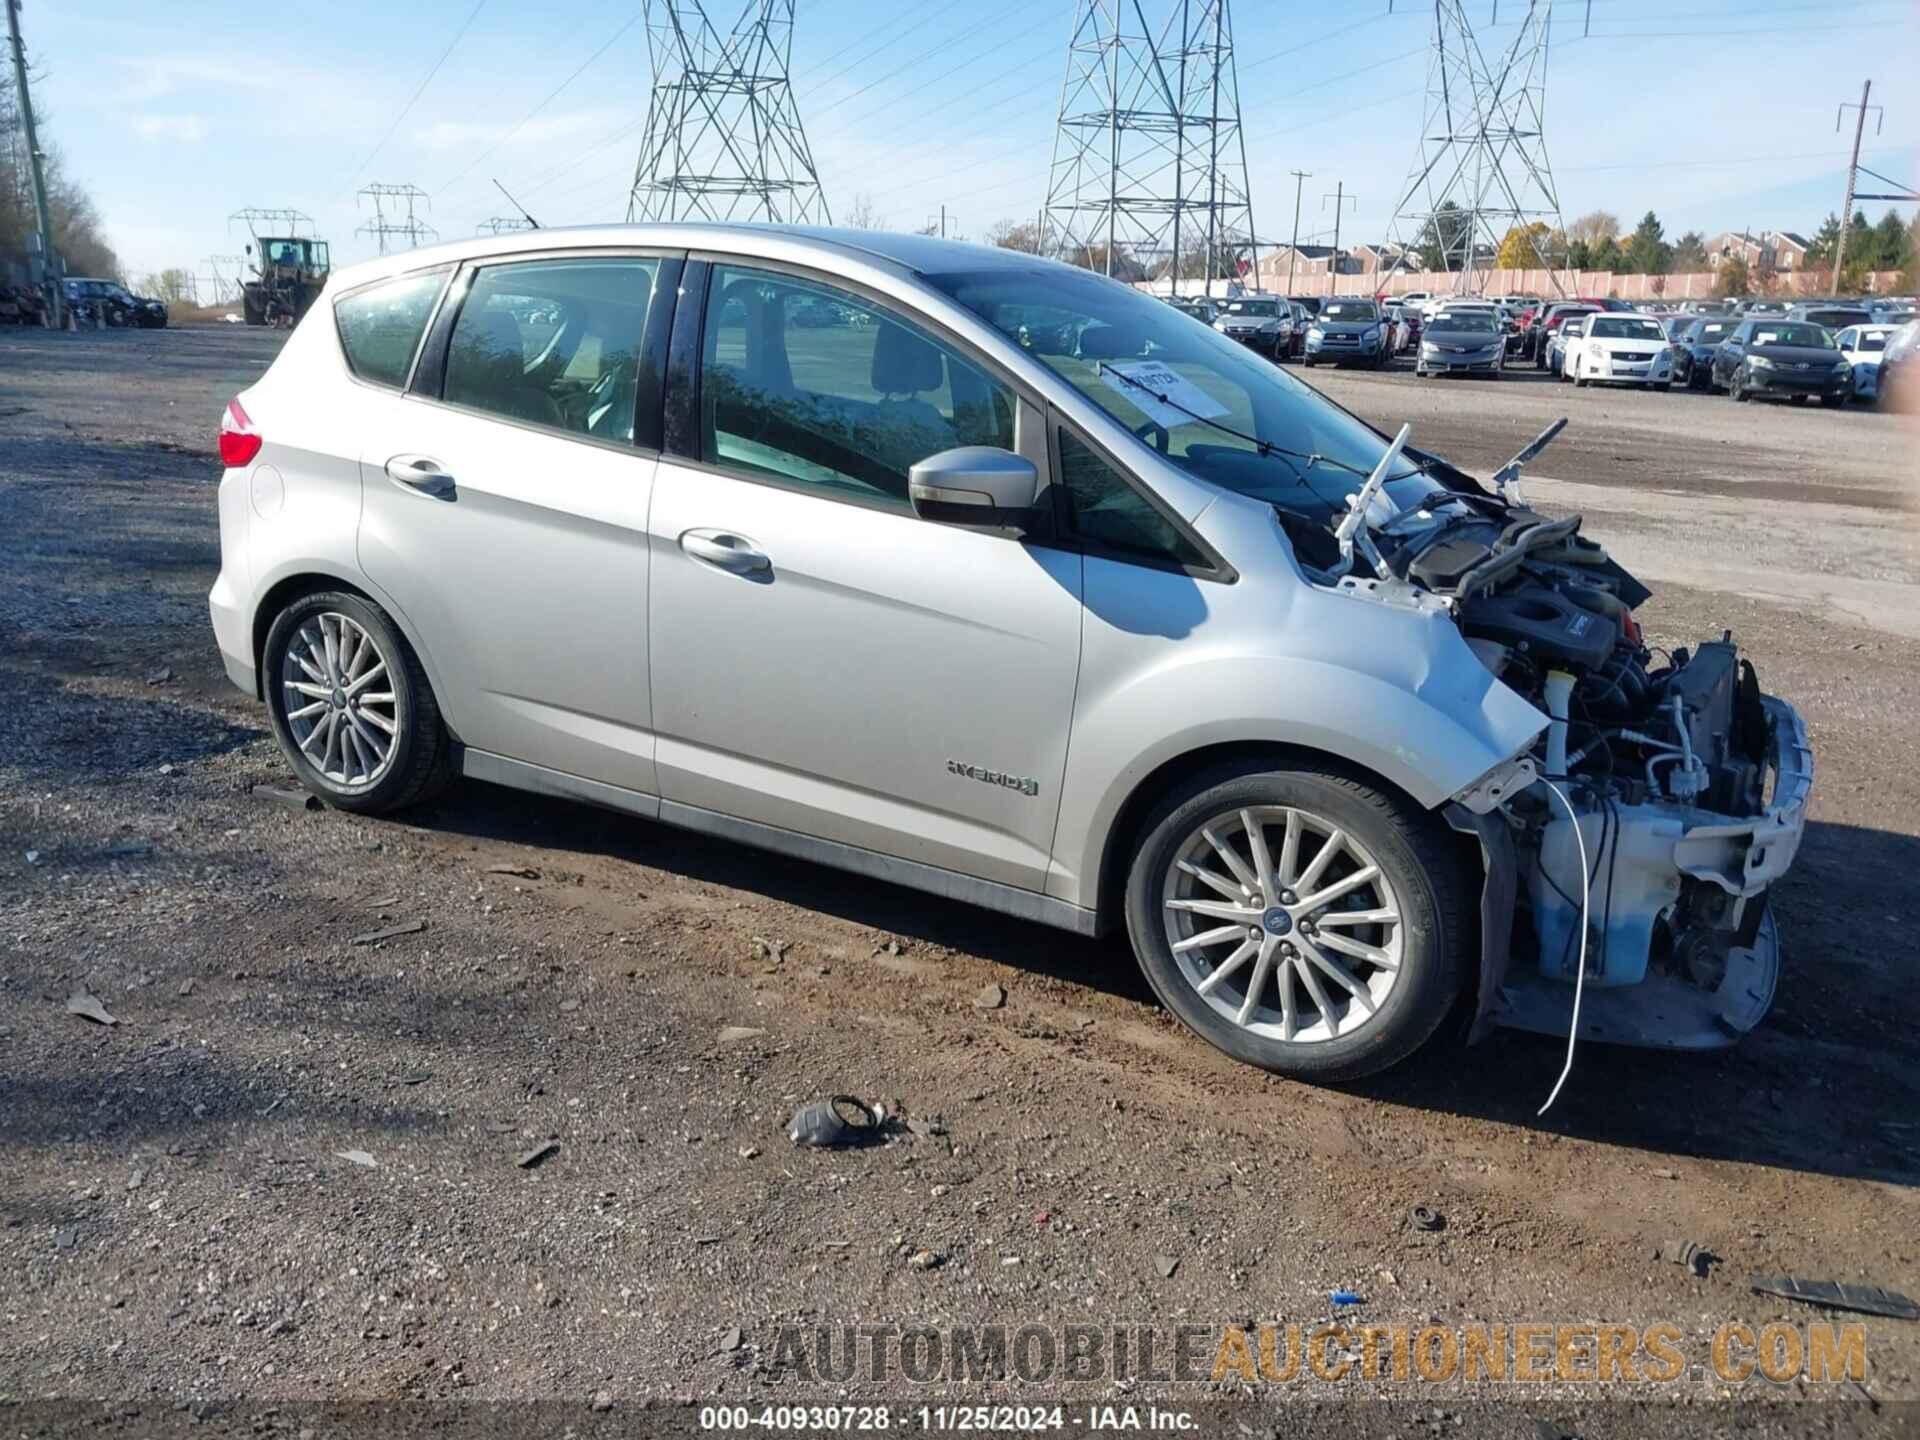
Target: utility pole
x=36, y=169
x=1300, y=177
x=1340, y=199
x=1853, y=176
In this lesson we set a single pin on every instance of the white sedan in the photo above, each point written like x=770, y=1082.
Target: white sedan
x=1621, y=349
x=1863, y=346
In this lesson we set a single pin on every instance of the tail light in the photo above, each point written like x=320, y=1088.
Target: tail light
x=239, y=441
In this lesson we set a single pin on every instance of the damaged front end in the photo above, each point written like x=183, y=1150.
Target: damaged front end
x=1687, y=786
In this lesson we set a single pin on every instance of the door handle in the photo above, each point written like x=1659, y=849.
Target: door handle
x=417, y=472
x=726, y=551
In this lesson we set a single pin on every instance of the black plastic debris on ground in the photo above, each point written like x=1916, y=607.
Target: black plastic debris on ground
x=1832, y=1295
x=839, y=1123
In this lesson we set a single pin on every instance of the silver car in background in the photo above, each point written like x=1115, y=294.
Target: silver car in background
x=975, y=572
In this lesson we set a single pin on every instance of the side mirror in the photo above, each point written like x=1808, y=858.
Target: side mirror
x=979, y=487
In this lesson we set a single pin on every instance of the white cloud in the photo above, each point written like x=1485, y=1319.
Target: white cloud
x=541, y=130
x=183, y=129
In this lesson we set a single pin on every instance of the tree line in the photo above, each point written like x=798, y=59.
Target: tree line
x=1596, y=241
x=78, y=233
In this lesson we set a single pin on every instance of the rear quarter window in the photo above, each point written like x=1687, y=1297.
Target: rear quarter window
x=380, y=325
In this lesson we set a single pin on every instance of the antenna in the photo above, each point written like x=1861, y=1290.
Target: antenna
x=1481, y=168
x=532, y=224
x=387, y=226
x=724, y=139
x=1149, y=173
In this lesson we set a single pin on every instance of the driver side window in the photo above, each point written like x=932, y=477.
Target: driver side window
x=554, y=343
x=808, y=385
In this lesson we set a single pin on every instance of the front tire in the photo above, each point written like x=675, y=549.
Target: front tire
x=351, y=706
x=1736, y=389
x=1327, y=948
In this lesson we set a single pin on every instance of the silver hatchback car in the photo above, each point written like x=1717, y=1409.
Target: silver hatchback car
x=980, y=573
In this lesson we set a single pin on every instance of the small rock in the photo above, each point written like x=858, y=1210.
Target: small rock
x=1166, y=1265
x=160, y=676
x=358, y=1157
x=567, y=1007
x=524, y=872
x=65, y=1238
x=1387, y=1277
x=926, y=1260
x=282, y=1326
x=602, y=1401
x=33, y=857
x=136, y=1179
x=186, y=988
x=1665, y=1175
x=166, y=769
x=990, y=997
x=732, y=1339
x=939, y=1190
x=88, y=1007
x=734, y=1033
x=749, y=1152
x=534, y=1156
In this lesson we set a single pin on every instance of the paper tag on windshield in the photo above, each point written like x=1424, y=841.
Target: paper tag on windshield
x=1146, y=380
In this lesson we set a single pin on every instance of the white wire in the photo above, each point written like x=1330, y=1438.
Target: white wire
x=1580, y=976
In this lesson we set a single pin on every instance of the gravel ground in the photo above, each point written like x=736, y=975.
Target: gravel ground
x=289, y=1171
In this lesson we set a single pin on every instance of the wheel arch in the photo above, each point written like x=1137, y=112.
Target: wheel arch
x=311, y=579
x=1130, y=819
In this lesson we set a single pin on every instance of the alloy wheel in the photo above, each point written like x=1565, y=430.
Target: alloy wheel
x=340, y=703
x=1283, y=923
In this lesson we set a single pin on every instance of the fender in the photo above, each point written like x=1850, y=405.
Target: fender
x=1171, y=666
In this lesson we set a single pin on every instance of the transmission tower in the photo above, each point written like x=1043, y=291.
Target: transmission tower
x=387, y=225
x=276, y=223
x=1481, y=168
x=723, y=138
x=226, y=271
x=502, y=225
x=1149, y=174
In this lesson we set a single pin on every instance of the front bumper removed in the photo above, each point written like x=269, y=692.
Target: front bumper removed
x=1661, y=847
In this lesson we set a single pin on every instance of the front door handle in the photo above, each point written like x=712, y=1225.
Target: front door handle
x=727, y=551
x=418, y=472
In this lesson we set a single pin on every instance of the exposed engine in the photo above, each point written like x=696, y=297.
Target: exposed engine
x=1689, y=785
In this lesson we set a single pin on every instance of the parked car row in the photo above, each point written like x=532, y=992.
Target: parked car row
x=1830, y=350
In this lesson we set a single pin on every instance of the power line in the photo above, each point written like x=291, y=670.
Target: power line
x=421, y=88
x=520, y=124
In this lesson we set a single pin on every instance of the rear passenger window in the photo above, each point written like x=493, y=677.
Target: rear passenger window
x=380, y=326
x=807, y=384
x=554, y=343
x=1108, y=512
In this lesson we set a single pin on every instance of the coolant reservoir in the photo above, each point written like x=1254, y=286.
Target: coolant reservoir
x=1634, y=879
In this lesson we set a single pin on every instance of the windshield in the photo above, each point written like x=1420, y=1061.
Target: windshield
x=1250, y=307
x=1811, y=337
x=1348, y=310
x=1469, y=322
x=1206, y=403
x=1619, y=327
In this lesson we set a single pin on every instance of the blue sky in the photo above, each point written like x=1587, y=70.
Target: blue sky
x=1715, y=113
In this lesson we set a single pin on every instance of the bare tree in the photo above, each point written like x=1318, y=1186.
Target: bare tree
x=862, y=215
x=1595, y=228
x=1021, y=235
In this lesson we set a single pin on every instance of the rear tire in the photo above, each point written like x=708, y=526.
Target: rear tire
x=418, y=761
x=1419, y=880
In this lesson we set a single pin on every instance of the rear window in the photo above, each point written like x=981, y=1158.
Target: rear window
x=381, y=325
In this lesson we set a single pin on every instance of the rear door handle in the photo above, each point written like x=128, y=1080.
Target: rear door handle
x=726, y=551
x=418, y=472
